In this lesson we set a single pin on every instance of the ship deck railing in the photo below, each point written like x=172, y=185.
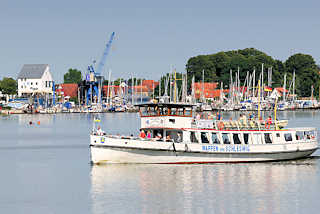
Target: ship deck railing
x=239, y=124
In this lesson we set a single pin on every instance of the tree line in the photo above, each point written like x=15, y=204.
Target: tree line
x=217, y=68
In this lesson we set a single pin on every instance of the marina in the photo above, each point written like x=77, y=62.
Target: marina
x=159, y=107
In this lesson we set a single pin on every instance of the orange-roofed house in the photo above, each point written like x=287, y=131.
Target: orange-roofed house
x=207, y=89
x=69, y=89
x=114, y=90
x=138, y=90
x=150, y=84
x=281, y=90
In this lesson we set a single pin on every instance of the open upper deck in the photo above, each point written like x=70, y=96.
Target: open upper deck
x=165, y=109
x=165, y=115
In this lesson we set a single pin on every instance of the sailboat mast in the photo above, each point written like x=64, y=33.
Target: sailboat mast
x=284, y=87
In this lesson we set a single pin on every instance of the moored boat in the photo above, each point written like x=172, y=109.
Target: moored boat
x=176, y=136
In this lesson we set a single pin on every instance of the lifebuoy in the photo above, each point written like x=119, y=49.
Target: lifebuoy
x=220, y=125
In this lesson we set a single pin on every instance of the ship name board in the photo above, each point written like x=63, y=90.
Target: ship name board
x=154, y=122
x=228, y=148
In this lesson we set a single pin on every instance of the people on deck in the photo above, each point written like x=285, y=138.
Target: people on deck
x=158, y=137
x=142, y=134
x=179, y=138
x=198, y=117
x=168, y=138
x=148, y=135
x=99, y=131
x=268, y=123
x=251, y=116
x=218, y=116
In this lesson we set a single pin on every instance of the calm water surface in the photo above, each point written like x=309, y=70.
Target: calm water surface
x=45, y=169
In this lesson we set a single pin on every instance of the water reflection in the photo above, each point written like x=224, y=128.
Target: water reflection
x=222, y=188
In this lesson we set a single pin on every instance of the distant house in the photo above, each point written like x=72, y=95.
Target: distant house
x=207, y=90
x=35, y=79
x=68, y=89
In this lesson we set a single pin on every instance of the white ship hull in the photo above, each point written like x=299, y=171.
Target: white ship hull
x=112, y=150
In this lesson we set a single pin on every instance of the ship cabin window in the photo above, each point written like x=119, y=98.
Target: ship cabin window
x=288, y=137
x=236, y=139
x=188, y=112
x=214, y=138
x=180, y=112
x=164, y=111
x=299, y=135
x=257, y=138
x=173, y=111
x=309, y=135
x=246, y=138
x=175, y=135
x=158, y=134
x=204, y=137
x=267, y=138
x=225, y=138
x=193, y=137
x=148, y=111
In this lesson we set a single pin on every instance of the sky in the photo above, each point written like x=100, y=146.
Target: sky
x=151, y=37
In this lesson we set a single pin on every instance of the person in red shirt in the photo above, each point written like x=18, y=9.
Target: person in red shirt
x=142, y=134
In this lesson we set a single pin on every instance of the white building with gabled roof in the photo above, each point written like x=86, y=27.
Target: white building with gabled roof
x=35, y=79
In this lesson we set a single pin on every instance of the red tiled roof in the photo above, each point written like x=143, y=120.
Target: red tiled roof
x=116, y=89
x=206, y=88
x=138, y=88
x=69, y=89
x=281, y=90
x=150, y=84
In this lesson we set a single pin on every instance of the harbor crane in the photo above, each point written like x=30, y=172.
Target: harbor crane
x=96, y=75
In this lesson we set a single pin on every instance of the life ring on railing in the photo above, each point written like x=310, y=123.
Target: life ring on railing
x=220, y=125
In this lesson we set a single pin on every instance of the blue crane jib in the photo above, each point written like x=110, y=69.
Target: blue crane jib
x=104, y=55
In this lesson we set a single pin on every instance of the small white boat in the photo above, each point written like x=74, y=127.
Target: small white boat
x=184, y=140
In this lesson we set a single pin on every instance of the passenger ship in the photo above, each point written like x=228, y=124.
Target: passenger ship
x=187, y=139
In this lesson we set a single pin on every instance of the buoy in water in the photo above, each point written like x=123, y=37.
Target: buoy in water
x=38, y=122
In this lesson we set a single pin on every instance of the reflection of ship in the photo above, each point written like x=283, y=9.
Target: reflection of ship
x=248, y=188
x=176, y=137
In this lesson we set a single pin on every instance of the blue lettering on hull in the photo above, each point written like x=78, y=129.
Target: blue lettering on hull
x=229, y=148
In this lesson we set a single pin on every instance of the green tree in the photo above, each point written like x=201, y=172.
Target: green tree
x=306, y=73
x=217, y=66
x=8, y=86
x=72, y=76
